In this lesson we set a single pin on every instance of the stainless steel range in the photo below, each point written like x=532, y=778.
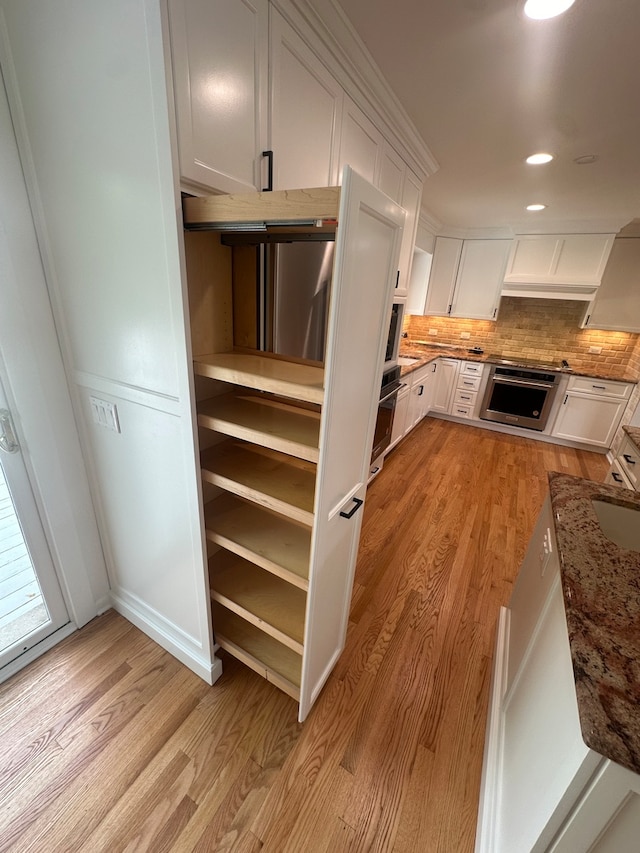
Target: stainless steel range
x=519, y=392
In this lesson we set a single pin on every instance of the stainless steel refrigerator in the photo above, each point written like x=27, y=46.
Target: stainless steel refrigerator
x=295, y=298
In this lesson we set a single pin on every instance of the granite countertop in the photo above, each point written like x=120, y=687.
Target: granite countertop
x=429, y=352
x=634, y=435
x=601, y=588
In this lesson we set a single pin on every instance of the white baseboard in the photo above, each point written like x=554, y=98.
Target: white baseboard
x=170, y=640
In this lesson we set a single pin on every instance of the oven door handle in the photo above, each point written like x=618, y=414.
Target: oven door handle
x=547, y=386
x=390, y=394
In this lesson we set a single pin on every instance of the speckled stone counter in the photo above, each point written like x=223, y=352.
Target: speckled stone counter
x=426, y=353
x=634, y=435
x=601, y=587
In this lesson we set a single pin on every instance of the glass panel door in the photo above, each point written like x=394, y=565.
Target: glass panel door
x=31, y=603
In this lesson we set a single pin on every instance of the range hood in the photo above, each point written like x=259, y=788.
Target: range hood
x=556, y=266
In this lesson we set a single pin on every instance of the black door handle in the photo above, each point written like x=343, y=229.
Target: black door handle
x=269, y=156
x=354, y=510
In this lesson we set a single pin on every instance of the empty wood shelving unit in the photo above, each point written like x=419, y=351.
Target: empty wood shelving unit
x=284, y=443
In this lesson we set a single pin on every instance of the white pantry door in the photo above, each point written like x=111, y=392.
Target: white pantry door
x=368, y=243
x=31, y=603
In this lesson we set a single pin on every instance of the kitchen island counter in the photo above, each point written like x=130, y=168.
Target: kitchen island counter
x=601, y=591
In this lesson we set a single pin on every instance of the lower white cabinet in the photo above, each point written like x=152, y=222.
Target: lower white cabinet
x=617, y=477
x=628, y=458
x=543, y=790
x=591, y=410
x=444, y=385
x=419, y=395
x=400, y=416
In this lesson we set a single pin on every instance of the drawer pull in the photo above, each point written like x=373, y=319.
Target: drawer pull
x=628, y=459
x=599, y=387
x=616, y=477
x=354, y=510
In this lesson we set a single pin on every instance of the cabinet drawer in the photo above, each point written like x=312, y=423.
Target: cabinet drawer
x=617, y=476
x=601, y=387
x=468, y=383
x=462, y=410
x=628, y=459
x=464, y=398
x=471, y=368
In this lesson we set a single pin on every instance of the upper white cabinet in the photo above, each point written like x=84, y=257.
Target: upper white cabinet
x=617, y=302
x=466, y=278
x=557, y=265
x=478, y=283
x=219, y=51
x=442, y=280
x=361, y=144
x=306, y=112
x=411, y=198
x=392, y=173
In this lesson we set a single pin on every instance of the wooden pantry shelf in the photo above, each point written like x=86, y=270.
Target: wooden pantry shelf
x=289, y=379
x=277, y=544
x=290, y=430
x=264, y=600
x=266, y=656
x=279, y=482
x=318, y=203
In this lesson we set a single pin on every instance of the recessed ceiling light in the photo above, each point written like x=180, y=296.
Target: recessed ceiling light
x=539, y=159
x=586, y=159
x=536, y=206
x=541, y=9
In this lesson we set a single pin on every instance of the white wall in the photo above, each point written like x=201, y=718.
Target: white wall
x=88, y=88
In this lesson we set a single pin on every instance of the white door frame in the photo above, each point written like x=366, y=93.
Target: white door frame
x=35, y=384
x=17, y=479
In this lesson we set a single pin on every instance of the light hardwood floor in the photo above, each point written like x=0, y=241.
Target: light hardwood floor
x=109, y=744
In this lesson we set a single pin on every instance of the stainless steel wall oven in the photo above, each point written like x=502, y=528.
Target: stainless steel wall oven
x=519, y=396
x=391, y=385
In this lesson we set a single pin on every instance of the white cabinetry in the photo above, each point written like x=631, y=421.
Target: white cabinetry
x=361, y=144
x=591, y=410
x=220, y=78
x=617, y=302
x=625, y=467
x=285, y=447
x=419, y=395
x=444, y=385
x=442, y=280
x=400, y=416
x=554, y=266
x=392, y=173
x=306, y=112
x=464, y=402
x=479, y=279
x=411, y=198
x=466, y=278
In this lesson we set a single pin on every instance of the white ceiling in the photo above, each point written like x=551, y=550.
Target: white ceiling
x=486, y=87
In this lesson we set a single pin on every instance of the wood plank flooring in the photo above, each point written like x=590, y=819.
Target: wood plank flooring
x=109, y=744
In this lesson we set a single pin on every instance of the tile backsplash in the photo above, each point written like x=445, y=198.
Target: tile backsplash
x=535, y=328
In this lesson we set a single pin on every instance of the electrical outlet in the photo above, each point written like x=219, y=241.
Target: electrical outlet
x=433, y=331
x=105, y=414
x=595, y=350
x=465, y=335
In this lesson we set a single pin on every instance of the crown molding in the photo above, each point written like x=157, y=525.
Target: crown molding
x=345, y=55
